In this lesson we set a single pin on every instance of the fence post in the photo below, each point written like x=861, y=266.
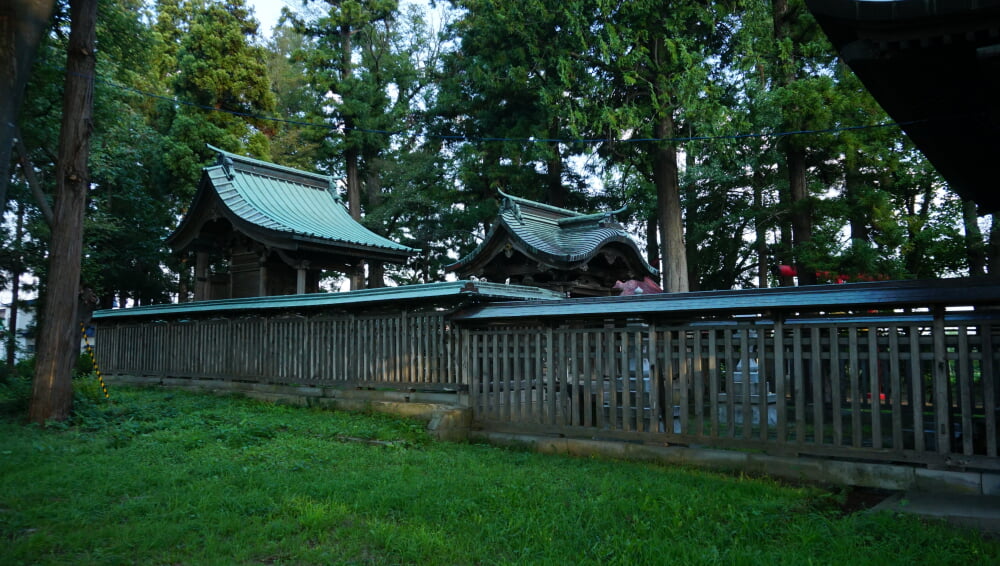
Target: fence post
x=779, y=377
x=941, y=401
x=989, y=389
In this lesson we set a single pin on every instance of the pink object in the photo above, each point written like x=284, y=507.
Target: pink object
x=636, y=287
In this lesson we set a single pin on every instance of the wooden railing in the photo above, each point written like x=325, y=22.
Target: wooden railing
x=898, y=372
x=401, y=349
x=888, y=384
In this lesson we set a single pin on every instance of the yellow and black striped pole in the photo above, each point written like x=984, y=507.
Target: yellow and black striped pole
x=93, y=359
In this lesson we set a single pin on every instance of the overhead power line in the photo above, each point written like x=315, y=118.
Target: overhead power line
x=477, y=139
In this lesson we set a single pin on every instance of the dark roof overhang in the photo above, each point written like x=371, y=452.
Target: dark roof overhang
x=935, y=69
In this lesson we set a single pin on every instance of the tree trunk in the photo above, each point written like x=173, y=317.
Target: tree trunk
x=28, y=170
x=691, y=218
x=59, y=333
x=22, y=24
x=801, y=213
x=975, y=247
x=852, y=189
x=351, y=154
x=653, y=243
x=373, y=187
x=915, y=254
x=785, y=248
x=668, y=209
x=760, y=230
x=357, y=276
x=795, y=159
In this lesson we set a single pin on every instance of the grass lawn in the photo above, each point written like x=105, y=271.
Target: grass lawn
x=165, y=477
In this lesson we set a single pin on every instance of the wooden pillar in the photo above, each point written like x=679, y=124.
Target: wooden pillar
x=201, y=284
x=262, y=276
x=357, y=276
x=300, y=282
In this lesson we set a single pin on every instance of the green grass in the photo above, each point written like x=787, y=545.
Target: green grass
x=161, y=477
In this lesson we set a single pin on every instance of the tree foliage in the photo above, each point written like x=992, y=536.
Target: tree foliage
x=685, y=112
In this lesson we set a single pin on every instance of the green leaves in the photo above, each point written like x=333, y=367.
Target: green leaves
x=439, y=123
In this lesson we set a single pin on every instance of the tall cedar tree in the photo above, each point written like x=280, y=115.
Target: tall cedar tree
x=221, y=71
x=655, y=68
x=362, y=58
x=59, y=334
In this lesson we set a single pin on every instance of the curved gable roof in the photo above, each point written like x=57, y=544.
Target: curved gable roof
x=286, y=205
x=554, y=236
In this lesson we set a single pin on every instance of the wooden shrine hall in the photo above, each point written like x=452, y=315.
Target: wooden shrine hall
x=536, y=244
x=259, y=229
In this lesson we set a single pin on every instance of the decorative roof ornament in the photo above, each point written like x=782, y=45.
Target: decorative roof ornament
x=227, y=165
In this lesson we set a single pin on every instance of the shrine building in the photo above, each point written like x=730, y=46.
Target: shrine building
x=575, y=254
x=259, y=229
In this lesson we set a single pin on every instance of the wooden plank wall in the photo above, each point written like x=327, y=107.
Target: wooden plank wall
x=405, y=349
x=916, y=387
x=902, y=387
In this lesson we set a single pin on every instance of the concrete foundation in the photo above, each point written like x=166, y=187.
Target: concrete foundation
x=839, y=472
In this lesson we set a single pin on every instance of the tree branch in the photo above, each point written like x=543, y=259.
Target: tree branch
x=29, y=175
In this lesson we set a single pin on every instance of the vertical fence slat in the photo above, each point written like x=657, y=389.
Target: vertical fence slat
x=504, y=390
x=475, y=368
x=683, y=381
x=539, y=380
x=762, y=387
x=916, y=389
x=989, y=374
x=713, y=383
x=746, y=390
x=625, y=376
x=874, y=388
x=895, y=388
x=611, y=365
x=600, y=349
x=836, y=389
x=854, y=367
x=730, y=360
x=698, y=383
x=942, y=402
x=641, y=403
x=493, y=382
x=655, y=405
x=815, y=374
x=520, y=371
x=965, y=397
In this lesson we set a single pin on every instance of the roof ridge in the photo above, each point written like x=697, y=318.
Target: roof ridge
x=607, y=216
x=327, y=180
x=533, y=203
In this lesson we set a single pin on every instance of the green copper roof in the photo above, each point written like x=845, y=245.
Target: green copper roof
x=552, y=235
x=430, y=294
x=286, y=203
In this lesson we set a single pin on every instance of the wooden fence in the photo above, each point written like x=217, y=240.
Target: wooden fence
x=399, y=349
x=891, y=372
x=902, y=388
